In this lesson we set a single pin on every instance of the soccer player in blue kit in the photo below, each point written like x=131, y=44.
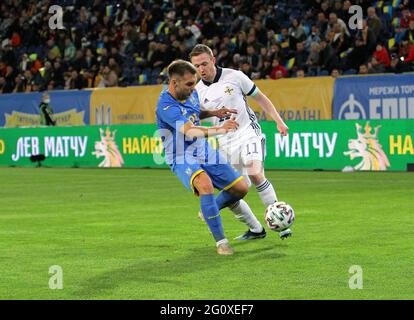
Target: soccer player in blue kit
x=199, y=167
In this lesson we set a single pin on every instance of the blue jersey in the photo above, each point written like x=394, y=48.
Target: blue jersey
x=190, y=157
x=171, y=115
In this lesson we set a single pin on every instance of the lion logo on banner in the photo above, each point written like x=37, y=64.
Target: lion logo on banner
x=108, y=149
x=368, y=148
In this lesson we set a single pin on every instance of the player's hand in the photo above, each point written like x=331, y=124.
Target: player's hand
x=224, y=112
x=283, y=128
x=230, y=125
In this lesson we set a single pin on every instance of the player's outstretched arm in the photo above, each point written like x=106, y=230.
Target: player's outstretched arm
x=192, y=131
x=220, y=113
x=270, y=109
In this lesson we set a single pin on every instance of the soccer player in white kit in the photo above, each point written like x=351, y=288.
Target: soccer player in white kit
x=223, y=94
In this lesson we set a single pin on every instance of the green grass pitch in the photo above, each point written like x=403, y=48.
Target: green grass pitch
x=134, y=234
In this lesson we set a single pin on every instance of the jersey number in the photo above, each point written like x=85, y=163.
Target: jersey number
x=254, y=147
x=224, y=119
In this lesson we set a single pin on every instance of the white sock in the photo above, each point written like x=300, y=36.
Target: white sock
x=222, y=241
x=266, y=193
x=244, y=214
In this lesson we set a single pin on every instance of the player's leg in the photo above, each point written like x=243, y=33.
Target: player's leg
x=195, y=178
x=243, y=212
x=205, y=189
x=254, y=164
x=263, y=186
x=253, y=155
x=234, y=188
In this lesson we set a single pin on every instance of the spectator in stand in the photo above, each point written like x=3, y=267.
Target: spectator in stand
x=363, y=69
x=335, y=73
x=337, y=9
x=333, y=20
x=381, y=55
x=15, y=40
x=369, y=36
x=313, y=59
x=70, y=50
x=109, y=77
x=374, y=66
x=92, y=37
x=279, y=75
x=276, y=68
x=404, y=49
x=322, y=24
x=209, y=27
x=300, y=73
x=296, y=33
x=266, y=70
x=20, y=84
x=301, y=56
x=374, y=22
x=339, y=40
x=77, y=80
x=325, y=8
x=406, y=18
x=224, y=59
x=8, y=55
x=328, y=59
x=261, y=32
x=9, y=80
x=262, y=57
x=396, y=65
x=252, y=58
x=247, y=69
x=358, y=56
x=409, y=58
x=274, y=52
x=409, y=34
x=346, y=15
x=314, y=36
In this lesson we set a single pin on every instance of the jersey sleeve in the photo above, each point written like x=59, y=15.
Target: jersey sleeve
x=197, y=91
x=172, y=115
x=248, y=87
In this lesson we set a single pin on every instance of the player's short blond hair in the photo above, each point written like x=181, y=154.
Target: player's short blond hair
x=200, y=49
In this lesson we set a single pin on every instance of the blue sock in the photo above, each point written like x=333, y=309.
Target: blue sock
x=212, y=215
x=225, y=198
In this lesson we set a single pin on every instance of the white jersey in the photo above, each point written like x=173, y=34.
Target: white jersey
x=229, y=90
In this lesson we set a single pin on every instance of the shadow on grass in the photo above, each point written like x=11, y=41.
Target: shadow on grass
x=149, y=273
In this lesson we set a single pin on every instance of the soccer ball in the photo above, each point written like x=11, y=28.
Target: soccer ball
x=279, y=216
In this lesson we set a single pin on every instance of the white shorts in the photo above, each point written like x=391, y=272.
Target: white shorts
x=242, y=152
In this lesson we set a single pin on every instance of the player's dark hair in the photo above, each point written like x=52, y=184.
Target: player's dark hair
x=179, y=68
x=200, y=49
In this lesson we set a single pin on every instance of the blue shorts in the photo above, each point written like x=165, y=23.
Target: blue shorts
x=221, y=174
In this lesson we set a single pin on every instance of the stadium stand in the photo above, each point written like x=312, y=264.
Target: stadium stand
x=129, y=43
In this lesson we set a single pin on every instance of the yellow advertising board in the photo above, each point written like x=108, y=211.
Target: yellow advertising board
x=132, y=105
x=298, y=99
x=67, y=118
x=295, y=99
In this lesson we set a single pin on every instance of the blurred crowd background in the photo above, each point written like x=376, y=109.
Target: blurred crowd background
x=130, y=43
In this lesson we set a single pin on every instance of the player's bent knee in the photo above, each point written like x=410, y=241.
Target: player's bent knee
x=203, y=184
x=257, y=178
x=240, y=189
